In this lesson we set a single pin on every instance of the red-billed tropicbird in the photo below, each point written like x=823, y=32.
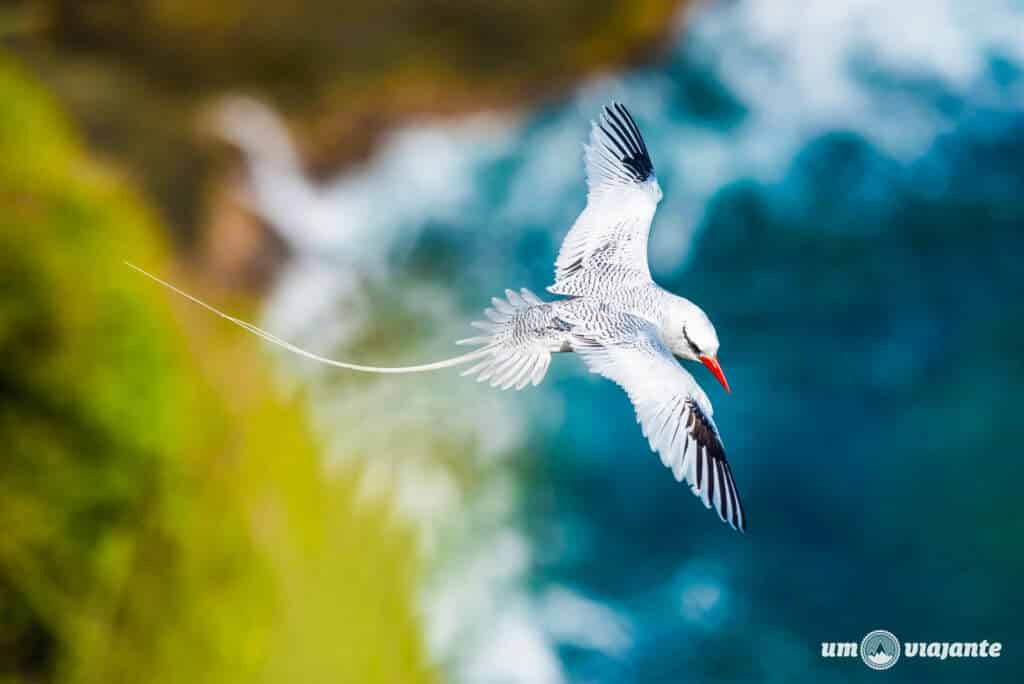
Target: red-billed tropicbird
x=614, y=316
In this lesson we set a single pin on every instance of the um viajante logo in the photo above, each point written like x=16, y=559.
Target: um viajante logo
x=880, y=649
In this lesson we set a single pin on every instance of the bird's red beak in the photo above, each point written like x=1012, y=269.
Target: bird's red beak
x=712, y=363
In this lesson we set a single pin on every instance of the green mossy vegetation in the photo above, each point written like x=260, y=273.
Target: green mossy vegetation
x=165, y=514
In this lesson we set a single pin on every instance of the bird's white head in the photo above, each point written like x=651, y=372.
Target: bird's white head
x=689, y=334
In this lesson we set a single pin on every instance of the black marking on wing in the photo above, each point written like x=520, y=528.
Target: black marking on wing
x=599, y=254
x=575, y=267
x=559, y=325
x=627, y=141
x=711, y=462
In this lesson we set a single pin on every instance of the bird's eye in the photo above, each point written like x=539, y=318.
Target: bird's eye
x=693, y=347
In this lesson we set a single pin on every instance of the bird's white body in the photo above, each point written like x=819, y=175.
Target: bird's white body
x=613, y=315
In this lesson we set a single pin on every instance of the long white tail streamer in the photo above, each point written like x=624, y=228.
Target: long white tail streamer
x=260, y=332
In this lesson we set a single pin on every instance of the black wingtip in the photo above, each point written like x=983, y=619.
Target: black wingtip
x=713, y=472
x=628, y=144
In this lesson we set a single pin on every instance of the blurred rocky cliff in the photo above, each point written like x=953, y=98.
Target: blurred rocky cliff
x=144, y=78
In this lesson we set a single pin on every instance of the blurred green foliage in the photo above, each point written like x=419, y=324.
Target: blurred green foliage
x=166, y=516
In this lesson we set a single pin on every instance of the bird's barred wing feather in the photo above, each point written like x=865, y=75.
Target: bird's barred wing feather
x=672, y=409
x=520, y=335
x=608, y=241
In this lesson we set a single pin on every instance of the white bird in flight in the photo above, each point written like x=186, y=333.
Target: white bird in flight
x=613, y=316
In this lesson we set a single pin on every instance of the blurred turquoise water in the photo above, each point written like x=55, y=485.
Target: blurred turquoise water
x=844, y=196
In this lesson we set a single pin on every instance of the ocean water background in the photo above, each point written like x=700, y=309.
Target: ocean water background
x=844, y=196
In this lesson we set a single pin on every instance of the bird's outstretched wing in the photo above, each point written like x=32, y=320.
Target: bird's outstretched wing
x=607, y=246
x=672, y=409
